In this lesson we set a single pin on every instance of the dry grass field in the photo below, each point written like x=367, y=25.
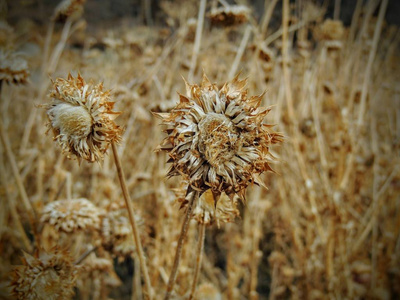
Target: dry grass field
x=324, y=224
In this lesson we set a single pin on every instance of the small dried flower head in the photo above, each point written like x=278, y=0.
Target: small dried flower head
x=230, y=15
x=71, y=215
x=48, y=276
x=115, y=231
x=81, y=118
x=217, y=139
x=331, y=30
x=68, y=9
x=207, y=291
x=13, y=68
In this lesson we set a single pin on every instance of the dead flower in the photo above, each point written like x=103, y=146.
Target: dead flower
x=48, y=276
x=71, y=215
x=81, y=118
x=68, y=9
x=13, y=68
x=230, y=15
x=216, y=138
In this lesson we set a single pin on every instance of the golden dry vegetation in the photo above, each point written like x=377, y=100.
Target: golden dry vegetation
x=326, y=225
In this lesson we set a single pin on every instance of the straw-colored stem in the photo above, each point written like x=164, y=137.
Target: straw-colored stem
x=240, y=52
x=179, y=247
x=200, y=247
x=197, y=41
x=13, y=210
x=135, y=231
x=21, y=189
x=367, y=78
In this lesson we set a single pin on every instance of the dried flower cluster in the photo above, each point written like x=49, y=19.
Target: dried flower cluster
x=72, y=215
x=13, y=68
x=81, y=118
x=48, y=276
x=216, y=138
x=229, y=16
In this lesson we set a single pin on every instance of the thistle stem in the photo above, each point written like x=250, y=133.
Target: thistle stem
x=200, y=247
x=135, y=231
x=179, y=247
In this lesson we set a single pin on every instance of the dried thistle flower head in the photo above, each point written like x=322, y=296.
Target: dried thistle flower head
x=46, y=276
x=13, y=68
x=81, y=118
x=115, y=231
x=217, y=139
x=68, y=9
x=72, y=215
x=230, y=15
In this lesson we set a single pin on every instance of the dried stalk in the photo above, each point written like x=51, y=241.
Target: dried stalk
x=200, y=247
x=179, y=247
x=21, y=189
x=197, y=42
x=135, y=230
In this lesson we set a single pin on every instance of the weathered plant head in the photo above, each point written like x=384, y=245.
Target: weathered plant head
x=216, y=138
x=46, y=275
x=82, y=118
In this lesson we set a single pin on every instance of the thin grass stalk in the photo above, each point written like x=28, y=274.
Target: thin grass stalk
x=179, y=248
x=200, y=247
x=21, y=189
x=135, y=231
x=14, y=214
x=85, y=255
x=197, y=41
x=367, y=78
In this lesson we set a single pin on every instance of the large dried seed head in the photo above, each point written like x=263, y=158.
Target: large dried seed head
x=72, y=215
x=217, y=139
x=48, y=276
x=81, y=118
x=13, y=68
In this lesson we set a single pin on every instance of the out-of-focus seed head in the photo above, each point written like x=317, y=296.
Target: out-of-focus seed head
x=13, y=67
x=45, y=276
x=82, y=118
x=115, y=231
x=217, y=139
x=229, y=16
x=68, y=9
x=72, y=215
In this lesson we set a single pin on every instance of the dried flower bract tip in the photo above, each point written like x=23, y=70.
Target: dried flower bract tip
x=217, y=139
x=82, y=118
